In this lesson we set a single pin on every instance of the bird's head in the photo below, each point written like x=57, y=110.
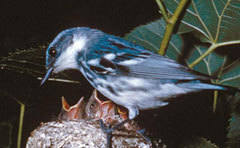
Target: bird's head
x=67, y=49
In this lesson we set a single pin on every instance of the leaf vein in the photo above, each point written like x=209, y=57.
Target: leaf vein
x=194, y=27
x=201, y=21
x=214, y=6
x=220, y=19
x=229, y=79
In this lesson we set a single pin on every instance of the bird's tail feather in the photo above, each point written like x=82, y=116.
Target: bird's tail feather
x=208, y=86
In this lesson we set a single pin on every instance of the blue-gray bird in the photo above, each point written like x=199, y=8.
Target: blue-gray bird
x=124, y=72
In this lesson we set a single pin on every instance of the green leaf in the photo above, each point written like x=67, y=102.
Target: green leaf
x=212, y=21
x=199, y=142
x=150, y=37
x=234, y=131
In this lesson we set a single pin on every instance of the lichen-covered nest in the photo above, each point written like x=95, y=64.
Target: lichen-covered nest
x=78, y=134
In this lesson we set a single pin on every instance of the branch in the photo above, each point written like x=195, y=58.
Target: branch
x=170, y=25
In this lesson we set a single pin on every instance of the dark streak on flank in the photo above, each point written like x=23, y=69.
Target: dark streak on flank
x=112, y=90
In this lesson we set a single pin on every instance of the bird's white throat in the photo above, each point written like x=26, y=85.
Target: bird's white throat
x=68, y=59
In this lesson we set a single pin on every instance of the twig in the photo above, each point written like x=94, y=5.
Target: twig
x=163, y=11
x=60, y=80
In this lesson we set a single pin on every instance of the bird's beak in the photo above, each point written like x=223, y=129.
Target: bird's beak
x=49, y=71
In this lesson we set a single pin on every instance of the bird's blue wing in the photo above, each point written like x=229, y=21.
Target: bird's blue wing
x=124, y=58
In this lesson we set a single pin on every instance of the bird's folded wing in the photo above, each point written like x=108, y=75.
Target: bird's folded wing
x=158, y=67
x=147, y=65
x=125, y=58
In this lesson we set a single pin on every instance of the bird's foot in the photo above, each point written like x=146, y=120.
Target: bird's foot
x=142, y=132
x=108, y=130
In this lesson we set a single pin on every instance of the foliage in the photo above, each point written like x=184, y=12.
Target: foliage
x=211, y=21
x=234, y=129
x=234, y=123
x=199, y=142
x=214, y=22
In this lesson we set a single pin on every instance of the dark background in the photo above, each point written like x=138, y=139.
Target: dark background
x=29, y=23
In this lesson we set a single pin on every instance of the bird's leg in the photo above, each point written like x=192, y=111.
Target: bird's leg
x=109, y=134
x=108, y=130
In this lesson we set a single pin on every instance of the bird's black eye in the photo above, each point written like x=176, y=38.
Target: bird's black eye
x=52, y=51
